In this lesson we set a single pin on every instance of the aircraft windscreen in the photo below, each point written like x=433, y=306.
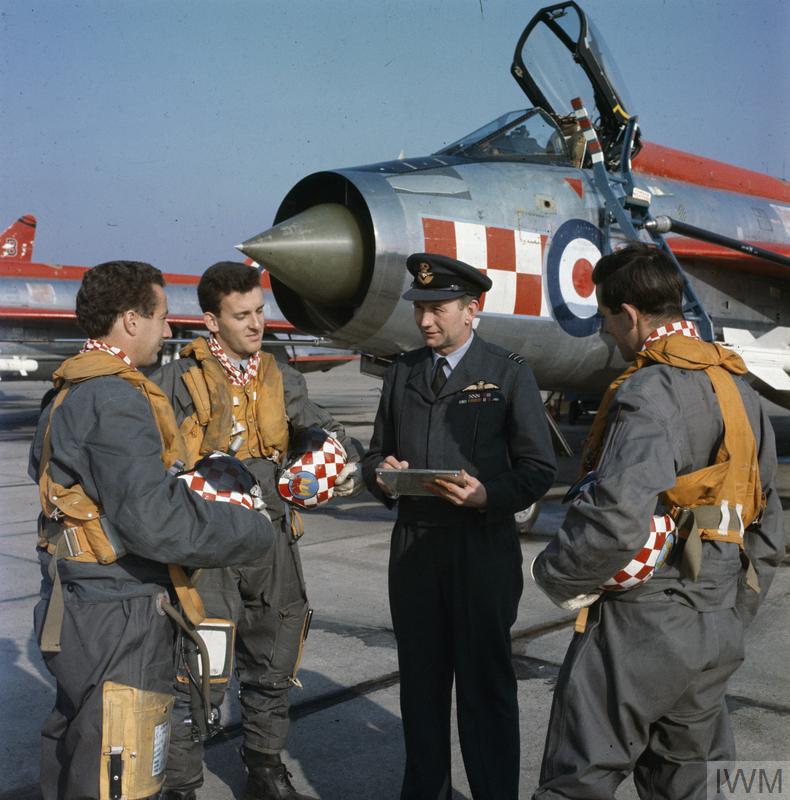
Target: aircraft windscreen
x=515, y=135
x=481, y=133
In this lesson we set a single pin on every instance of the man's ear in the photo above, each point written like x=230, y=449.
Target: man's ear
x=210, y=321
x=129, y=321
x=632, y=313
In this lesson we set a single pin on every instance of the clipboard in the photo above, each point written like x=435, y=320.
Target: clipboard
x=416, y=481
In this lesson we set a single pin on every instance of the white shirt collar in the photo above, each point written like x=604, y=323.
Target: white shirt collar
x=454, y=357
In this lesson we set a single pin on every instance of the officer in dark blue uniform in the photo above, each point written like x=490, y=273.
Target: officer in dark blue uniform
x=455, y=574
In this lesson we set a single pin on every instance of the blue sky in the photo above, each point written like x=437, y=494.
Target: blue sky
x=169, y=131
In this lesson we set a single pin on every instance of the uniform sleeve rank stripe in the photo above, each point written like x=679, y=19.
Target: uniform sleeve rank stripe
x=516, y=357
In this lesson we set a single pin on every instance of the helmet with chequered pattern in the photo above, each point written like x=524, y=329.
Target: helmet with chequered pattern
x=650, y=558
x=315, y=459
x=223, y=479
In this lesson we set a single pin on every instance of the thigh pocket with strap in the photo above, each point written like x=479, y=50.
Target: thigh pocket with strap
x=135, y=738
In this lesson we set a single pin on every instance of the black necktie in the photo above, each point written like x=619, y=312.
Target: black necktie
x=439, y=378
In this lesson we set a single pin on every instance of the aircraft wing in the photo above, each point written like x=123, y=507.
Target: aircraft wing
x=38, y=326
x=767, y=357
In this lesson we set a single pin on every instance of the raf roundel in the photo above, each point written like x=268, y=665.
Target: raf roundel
x=575, y=249
x=315, y=460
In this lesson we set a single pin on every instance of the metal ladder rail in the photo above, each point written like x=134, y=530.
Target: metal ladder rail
x=629, y=208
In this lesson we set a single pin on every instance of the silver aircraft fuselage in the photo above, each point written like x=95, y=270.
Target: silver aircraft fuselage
x=534, y=228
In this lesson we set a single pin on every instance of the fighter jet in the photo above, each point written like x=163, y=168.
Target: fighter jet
x=38, y=327
x=534, y=198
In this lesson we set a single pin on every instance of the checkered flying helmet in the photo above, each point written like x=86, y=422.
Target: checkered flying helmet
x=224, y=479
x=315, y=459
x=650, y=558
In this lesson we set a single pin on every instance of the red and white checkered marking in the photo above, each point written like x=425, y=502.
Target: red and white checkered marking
x=309, y=481
x=513, y=259
x=222, y=479
x=98, y=344
x=643, y=564
x=684, y=327
x=232, y=372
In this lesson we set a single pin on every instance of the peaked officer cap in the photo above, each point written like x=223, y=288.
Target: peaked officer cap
x=438, y=277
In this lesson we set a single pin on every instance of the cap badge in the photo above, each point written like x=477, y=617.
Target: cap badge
x=425, y=275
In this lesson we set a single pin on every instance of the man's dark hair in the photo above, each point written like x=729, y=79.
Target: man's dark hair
x=221, y=279
x=109, y=289
x=643, y=276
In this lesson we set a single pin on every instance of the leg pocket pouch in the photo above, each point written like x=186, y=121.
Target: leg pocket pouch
x=135, y=739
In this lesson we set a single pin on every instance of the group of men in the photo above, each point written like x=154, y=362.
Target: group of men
x=122, y=540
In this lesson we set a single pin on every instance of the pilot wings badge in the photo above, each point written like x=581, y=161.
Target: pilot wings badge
x=481, y=391
x=479, y=386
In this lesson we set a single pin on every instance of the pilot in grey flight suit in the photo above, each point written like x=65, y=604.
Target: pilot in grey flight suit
x=105, y=439
x=254, y=594
x=455, y=560
x=266, y=597
x=642, y=688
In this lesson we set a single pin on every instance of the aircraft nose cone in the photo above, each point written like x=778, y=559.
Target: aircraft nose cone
x=318, y=253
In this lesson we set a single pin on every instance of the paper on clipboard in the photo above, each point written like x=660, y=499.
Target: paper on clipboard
x=416, y=481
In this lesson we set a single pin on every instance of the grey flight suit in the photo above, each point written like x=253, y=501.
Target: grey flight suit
x=642, y=689
x=455, y=573
x=266, y=597
x=104, y=437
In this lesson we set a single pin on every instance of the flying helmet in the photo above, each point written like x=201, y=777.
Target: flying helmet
x=314, y=461
x=224, y=479
x=650, y=558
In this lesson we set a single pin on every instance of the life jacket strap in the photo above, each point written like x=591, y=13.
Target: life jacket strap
x=711, y=523
x=188, y=596
x=580, y=625
x=296, y=524
x=53, y=619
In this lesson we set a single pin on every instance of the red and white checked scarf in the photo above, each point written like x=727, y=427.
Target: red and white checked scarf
x=683, y=326
x=233, y=373
x=97, y=344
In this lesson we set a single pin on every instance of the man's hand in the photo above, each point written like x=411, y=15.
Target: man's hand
x=349, y=482
x=471, y=493
x=390, y=462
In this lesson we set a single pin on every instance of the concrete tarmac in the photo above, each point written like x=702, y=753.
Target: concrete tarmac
x=345, y=741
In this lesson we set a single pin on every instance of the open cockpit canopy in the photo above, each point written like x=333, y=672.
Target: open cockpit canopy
x=560, y=56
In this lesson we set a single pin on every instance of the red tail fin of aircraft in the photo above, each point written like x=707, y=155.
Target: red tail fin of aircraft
x=17, y=239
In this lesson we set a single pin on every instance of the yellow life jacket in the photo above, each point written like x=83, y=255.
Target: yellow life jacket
x=719, y=501
x=71, y=526
x=76, y=513
x=222, y=410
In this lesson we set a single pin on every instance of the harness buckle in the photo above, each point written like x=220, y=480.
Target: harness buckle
x=72, y=542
